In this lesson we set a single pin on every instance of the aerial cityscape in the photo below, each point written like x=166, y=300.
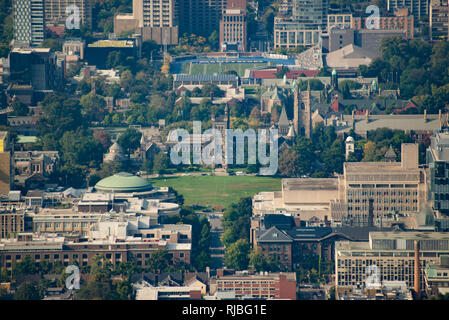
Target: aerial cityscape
x=238, y=150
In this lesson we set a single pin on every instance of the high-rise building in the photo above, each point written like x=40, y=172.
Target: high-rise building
x=155, y=20
x=29, y=22
x=438, y=19
x=233, y=23
x=418, y=8
x=311, y=14
x=438, y=179
x=200, y=17
x=57, y=11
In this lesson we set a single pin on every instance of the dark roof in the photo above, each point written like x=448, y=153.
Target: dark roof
x=273, y=235
x=147, y=276
x=201, y=276
x=309, y=233
x=167, y=278
x=281, y=221
x=170, y=279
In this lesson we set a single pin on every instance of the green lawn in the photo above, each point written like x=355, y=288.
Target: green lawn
x=216, y=190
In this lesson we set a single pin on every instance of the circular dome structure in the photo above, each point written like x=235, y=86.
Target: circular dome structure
x=123, y=182
x=349, y=139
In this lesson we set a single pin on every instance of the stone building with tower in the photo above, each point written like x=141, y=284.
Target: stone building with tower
x=222, y=123
x=302, y=113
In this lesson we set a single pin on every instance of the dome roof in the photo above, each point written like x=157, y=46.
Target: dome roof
x=349, y=139
x=123, y=182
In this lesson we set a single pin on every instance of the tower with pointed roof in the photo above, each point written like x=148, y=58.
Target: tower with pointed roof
x=283, y=124
x=390, y=155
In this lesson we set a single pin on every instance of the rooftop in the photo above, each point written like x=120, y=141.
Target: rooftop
x=310, y=184
x=123, y=182
x=112, y=43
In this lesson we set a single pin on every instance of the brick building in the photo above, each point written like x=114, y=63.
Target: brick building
x=263, y=286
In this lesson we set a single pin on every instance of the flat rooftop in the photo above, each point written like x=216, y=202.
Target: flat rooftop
x=112, y=43
x=293, y=184
x=412, y=235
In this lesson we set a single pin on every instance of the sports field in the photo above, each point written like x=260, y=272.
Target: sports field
x=210, y=191
x=211, y=68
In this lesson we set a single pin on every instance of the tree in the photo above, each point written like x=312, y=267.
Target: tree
x=236, y=255
x=93, y=106
x=160, y=162
x=104, y=137
x=60, y=114
x=297, y=160
x=130, y=140
x=28, y=291
x=26, y=266
x=159, y=261
x=19, y=108
x=236, y=221
x=214, y=39
x=260, y=262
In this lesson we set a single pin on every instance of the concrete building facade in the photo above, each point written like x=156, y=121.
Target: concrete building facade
x=387, y=256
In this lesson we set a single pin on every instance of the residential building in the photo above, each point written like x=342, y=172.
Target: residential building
x=311, y=14
x=200, y=17
x=233, y=28
x=28, y=22
x=437, y=158
x=256, y=286
x=438, y=20
x=418, y=8
x=154, y=20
